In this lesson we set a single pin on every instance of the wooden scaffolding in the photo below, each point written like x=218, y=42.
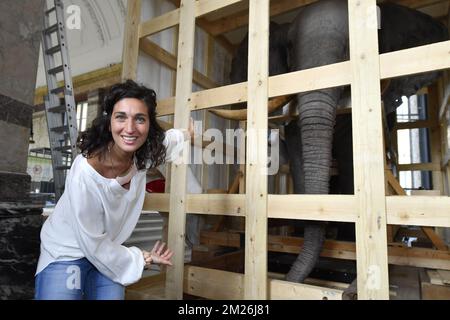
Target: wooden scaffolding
x=370, y=208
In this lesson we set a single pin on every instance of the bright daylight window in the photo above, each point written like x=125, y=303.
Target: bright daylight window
x=82, y=111
x=413, y=144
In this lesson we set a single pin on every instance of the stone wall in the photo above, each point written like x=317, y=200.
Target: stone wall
x=20, y=216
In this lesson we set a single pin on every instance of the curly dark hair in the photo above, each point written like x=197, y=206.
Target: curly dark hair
x=94, y=141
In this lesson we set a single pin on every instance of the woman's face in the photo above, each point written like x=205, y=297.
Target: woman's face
x=130, y=124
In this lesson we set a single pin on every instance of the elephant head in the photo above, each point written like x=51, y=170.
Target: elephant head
x=318, y=36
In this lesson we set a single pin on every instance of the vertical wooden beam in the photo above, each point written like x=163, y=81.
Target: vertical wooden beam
x=371, y=244
x=206, y=115
x=435, y=136
x=241, y=141
x=255, y=283
x=177, y=207
x=130, y=53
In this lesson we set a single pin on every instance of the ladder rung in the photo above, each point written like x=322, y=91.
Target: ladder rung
x=59, y=129
x=50, y=10
x=58, y=109
x=62, y=168
x=56, y=70
x=53, y=50
x=58, y=90
x=51, y=29
x=63, y=148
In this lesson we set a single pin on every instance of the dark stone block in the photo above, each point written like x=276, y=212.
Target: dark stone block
x=14, y=186
x=15, y=112
x=20, y=38
x=19, y=252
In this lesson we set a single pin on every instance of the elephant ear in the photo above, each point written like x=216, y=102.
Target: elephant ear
x=289, y=48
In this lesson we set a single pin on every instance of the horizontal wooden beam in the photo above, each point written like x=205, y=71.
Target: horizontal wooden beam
x=414, y=125
x=170, y=60
x=401, y=210
x=224, y=285
x=172, y=18
x=398, y=254
x=240, y=19
x=419, y=167
x=415, y=60
x=86, y=82
x=418, y=210
x=393, y=64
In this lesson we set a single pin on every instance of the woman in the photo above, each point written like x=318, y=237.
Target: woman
x=82, y=256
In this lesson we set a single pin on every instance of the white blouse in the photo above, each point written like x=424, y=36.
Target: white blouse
x=96, y=215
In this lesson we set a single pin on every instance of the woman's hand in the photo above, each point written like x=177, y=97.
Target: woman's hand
x=157, y=255
x=191, y=127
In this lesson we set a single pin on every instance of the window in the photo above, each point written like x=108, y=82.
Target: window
x=82, y=112
x=413, y=144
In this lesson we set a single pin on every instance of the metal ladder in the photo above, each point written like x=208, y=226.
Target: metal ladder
x=60, y=105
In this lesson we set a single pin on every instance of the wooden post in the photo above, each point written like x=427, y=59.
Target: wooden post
x=177, y=207
x=435, y=136
x=131, y=40
x=241, y=141
x=255, y=282
x=371, y=244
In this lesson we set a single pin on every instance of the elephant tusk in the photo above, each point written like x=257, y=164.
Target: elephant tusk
x=241, y=114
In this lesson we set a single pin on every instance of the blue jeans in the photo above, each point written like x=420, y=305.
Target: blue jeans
x=75, y=280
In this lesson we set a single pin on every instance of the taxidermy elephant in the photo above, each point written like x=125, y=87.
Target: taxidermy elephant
x=319, y=36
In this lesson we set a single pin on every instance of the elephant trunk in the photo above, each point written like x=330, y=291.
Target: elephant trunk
x=317, y=114
x=318, y=36
x=314, y=236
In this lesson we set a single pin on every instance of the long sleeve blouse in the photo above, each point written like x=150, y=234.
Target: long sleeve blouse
x=96, y=215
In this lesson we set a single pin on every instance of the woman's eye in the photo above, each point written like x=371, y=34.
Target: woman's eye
x=120, y=117
x=140, y=120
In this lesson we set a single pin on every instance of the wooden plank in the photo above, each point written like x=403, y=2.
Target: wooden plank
x=418, y=211
x=445, y=276
x=371, y=242
x=397, y=254
x=131, y=40
x=158, y=24
x=393, y=182
x=435, y=292
x=166, y=58
x=255, y=284
x=172, y=18
x=394, y=64
x=413, y=124
x=218, y=204
x=177, y=209
x=435, y=136
x=419, y=167
x=434, y=238
x=284, y=290
x=240, y=19
x=415, y=60
x=435, y=277
x=328, y=208
x=241, y=142
x=224, y=285
x=206, y=6
x=401, y=210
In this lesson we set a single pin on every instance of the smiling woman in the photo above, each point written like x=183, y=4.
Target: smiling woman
x=82, y=251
